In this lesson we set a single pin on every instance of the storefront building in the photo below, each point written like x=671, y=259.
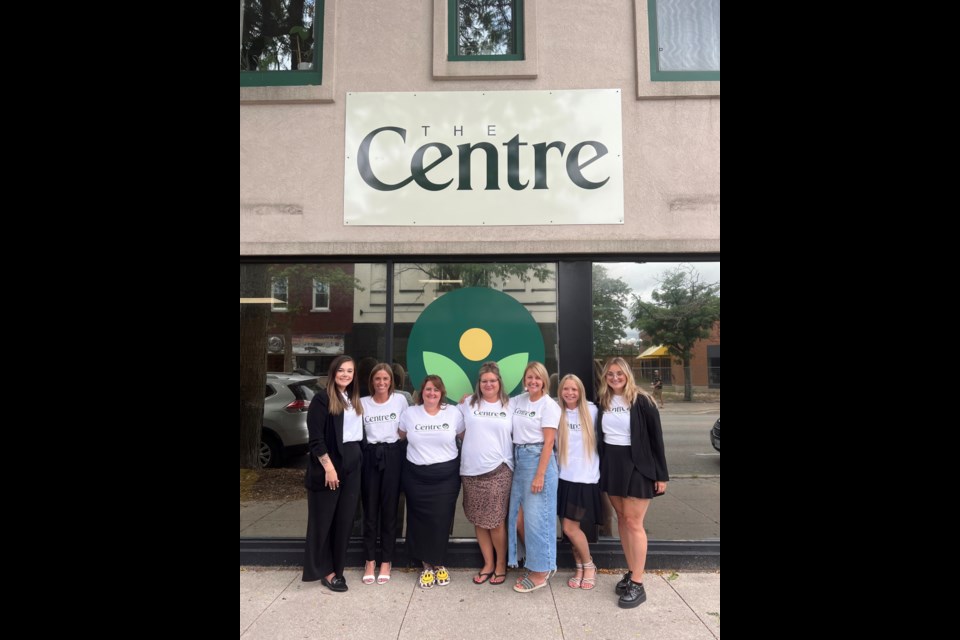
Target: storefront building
x=392, y=154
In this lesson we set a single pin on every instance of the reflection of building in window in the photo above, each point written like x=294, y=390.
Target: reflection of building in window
x=417, y=285
x=321, y=296
x=704, y=363
x=279, y=291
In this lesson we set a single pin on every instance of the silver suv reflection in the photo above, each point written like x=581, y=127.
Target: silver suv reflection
x=285, y=407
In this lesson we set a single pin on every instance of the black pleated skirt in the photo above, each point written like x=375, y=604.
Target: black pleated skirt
x=579, y=502
x=620, y=477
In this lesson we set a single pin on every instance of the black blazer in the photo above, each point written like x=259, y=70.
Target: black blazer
x=326, y=436
x=646, y=439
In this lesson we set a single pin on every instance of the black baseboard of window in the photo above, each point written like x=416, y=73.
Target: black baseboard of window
x=608, y=554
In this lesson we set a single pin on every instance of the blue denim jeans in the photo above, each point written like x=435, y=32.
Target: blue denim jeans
x=539, y=511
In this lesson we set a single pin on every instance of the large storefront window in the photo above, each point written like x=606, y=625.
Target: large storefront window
x=447, y=319
x=637, y=309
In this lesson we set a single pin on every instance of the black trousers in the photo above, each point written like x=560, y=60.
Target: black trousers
x=330, y=519
x=379, y=495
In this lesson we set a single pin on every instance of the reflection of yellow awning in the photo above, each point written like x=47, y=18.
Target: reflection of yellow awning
x=658, y=351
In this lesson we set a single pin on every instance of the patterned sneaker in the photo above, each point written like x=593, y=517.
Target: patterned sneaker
x=426, y=579
x=443, y=578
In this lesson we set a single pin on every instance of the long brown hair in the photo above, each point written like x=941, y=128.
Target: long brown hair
x=586, y=422
x=383, y=366
x=494, y=368
x=353, y=389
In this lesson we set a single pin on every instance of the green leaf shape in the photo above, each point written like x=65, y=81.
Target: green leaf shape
x=511, y=370
x=454, y=379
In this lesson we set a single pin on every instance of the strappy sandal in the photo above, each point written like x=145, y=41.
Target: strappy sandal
x=589, y=583
x=369, y=578
x=574, y=582
x=384, y=579
x=527, y=585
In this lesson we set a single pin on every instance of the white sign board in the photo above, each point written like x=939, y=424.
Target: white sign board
x=483, y=158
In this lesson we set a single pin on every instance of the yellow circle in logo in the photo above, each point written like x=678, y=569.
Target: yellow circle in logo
x=475, y=344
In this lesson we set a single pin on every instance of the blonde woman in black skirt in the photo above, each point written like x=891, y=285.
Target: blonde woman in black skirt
x=431, y=478
x=578, y=493
x=486, y=469
x=633, y=466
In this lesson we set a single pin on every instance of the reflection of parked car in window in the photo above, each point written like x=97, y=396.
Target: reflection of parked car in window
x=715, y=435
x=285, y=416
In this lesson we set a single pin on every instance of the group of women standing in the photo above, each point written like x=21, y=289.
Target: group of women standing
x=524, y=462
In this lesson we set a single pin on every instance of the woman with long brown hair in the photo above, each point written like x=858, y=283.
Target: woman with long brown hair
x=383, y=455
x=334, y=422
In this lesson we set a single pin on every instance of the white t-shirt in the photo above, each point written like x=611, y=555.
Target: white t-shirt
x=579, y=468
x=531, y=418
x=431, y=439
x=486, y=442
x=352, y=425
x=616, y=423
x=381, y=421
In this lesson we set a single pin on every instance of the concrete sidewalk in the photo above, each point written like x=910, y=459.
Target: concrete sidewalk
x=275, y=603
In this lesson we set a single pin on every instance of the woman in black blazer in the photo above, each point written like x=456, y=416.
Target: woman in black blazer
x=334, y=421
x=633, y=466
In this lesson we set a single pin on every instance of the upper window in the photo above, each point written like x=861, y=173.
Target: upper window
x=281, y=42
x=279, y=292
x=684, y=40
x=321, y=296
x=485, y=29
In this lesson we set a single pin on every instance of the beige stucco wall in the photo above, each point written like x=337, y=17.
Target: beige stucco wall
x=291, y=155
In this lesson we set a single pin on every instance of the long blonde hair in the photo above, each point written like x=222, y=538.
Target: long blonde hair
x=586, y=422
x=630, y=392
x=494, y=368
x=353, y=389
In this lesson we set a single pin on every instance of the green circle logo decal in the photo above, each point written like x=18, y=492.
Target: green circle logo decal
x=462, y=329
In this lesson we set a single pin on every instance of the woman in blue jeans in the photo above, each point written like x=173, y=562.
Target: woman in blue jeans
x=535, y=477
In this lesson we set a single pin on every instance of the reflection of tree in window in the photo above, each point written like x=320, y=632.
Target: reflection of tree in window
x=485, y=27
x=276, y=35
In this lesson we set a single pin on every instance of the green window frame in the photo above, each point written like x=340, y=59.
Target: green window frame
x=293, y=78
x=656, y=74
x=453, y=35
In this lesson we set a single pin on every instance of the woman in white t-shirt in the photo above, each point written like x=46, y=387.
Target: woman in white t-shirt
x=578, y=493
x=383, y=455
x=633, y=469
x=431, y=477
x=535, y=419
x=486, y=469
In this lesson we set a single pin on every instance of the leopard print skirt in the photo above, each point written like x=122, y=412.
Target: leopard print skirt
x=486, y=497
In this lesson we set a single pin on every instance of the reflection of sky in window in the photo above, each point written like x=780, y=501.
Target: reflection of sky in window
x=643, y=278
